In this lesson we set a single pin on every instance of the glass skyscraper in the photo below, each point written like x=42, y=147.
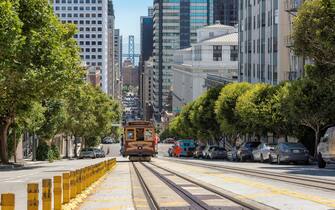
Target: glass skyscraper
x=175, y=25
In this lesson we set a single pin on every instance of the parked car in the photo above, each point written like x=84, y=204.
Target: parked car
x=170, y=150
x=99, y=153
x=289, y=152
x=205, y=152
x=217, y=153
x=108, y=140
x=198, y=151
x=169, y=141
x=232, y=154
x=88, y=153
x=326, y=148
x=245, y=151
x=187, y=147
x=262, y=152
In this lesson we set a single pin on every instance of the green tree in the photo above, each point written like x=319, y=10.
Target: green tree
x=225, y=108
x=39, y=58
x=312, y=105
x=314, y=33
x=203, y=117
x=252, y=109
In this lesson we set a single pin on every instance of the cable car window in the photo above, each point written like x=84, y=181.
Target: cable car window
x=140, y=134
x=148, y=134
x=130, y=135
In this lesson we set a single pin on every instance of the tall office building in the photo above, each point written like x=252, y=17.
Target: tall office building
x=175, y=25
x=146, y=52
x=117, y=44
x=264, y=31
x=111, y=69
x=91, y=18
x=226, y=12
x=150, y=11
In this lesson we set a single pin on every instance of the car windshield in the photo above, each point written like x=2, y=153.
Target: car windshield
x=252, y=144
x=293, y=145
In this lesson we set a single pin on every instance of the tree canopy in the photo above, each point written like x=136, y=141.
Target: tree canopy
x=313, y=31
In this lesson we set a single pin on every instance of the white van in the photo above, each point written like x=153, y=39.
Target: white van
x=326, y=148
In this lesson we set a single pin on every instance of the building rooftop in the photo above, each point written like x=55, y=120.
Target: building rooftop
x=228, y=39
x=219, y=26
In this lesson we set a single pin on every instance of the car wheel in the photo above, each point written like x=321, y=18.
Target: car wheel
x=278, y=160
x=321, y=162
x=262, y=159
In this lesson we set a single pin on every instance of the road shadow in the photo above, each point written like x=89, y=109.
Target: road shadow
x=23, y=168
x=304, y=170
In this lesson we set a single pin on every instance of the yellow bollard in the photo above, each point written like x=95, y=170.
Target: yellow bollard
x=57, y=193
x=86, y=177
x=46, y=194
x=32, y=190
x=73, y=187
x=66, y=187
x=78, y=183
x=8, y=201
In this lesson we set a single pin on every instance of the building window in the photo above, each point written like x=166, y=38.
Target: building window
x=87, y=50
x=99, y=29
x=99, y=43
x=99, y=57
x=94, y=43
x=87, y=36
x=94, y=50
x=87, y=43
x=81, y=36
x=93, y=36
x=99, y=50
x=197, y=53
x=87, y=56
x=99, y=63
x=217, y=53
x=94, y=22
x=81, y=22
x=93, y=57
x=233, y=53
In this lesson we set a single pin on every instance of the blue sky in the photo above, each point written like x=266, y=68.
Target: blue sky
x=127, y=18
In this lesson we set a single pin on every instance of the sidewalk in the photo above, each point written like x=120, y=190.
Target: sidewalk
x=115, y=192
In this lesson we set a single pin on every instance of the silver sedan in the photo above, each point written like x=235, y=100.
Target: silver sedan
x=262, y=152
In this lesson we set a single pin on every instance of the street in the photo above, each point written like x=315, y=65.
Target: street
x=170, y=183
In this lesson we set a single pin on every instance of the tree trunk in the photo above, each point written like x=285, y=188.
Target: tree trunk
x=14, y=145
x=67, y=146
x=317, y=140
x=4, y=140
x=34, y=147
x=75, y=147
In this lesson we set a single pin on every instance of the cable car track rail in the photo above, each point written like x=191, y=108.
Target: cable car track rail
x=243, y=202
